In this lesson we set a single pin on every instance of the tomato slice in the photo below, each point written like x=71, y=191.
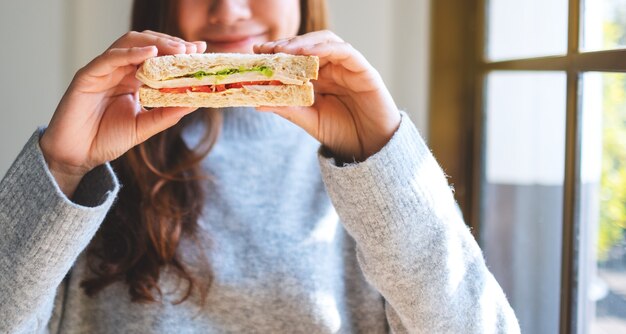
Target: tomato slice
x=219, y=88
x=235, y=85
x=202, y=89
x=175, y=90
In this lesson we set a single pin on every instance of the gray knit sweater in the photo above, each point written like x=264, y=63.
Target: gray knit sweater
x=299, y=245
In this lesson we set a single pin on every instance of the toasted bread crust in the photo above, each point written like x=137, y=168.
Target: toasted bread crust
x=160, y=68
x=249, y=96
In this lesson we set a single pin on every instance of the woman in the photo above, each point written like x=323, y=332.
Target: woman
x=246, y=238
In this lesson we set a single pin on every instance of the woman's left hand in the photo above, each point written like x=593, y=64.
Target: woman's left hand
x=354, y=115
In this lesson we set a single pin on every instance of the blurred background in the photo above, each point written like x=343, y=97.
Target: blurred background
x=522, y=102
x=45, y=42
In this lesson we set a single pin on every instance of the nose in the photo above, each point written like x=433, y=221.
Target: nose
x=229, y=11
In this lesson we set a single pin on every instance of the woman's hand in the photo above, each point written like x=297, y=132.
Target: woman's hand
x=99, y=117
x=354, y=115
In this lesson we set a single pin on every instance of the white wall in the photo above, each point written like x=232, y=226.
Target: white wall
x=97, y=24
x=47, y=41
x=394, y=37
x=44, y=43
x=32, y=64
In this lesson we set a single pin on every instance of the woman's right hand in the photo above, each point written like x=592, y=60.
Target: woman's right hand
x=99, y=117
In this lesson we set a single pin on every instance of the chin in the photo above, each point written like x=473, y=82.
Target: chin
x=230, y=49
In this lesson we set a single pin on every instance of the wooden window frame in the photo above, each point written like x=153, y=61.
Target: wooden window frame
x=456, y=135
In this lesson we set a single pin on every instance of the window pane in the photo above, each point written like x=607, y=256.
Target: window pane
x=522, y=195
x=604, y=25
x=529, y=28
x=602, y=274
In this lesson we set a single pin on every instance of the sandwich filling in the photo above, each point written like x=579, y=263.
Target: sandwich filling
x=221, y=77
x=211, y=81
x=222, y=74
x=219, y=88
x=224, y=79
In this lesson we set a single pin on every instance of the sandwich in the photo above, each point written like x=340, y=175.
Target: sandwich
x=216, y=80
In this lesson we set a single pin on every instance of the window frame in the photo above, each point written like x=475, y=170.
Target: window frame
x=459, y=68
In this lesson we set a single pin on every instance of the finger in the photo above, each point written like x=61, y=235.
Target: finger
x=166, y=45
x=191, y=47
x=330, y=83
x=258, y=48
x=153, y=121
x=128, y=82
x=163, y=35
x=304, y=117
x=338, y=53
x=113, y=59
x=334, y=51
x=300, y=41
x=268, y=47
x=201, y=46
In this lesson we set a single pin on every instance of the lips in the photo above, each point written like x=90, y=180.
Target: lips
x=234, y=42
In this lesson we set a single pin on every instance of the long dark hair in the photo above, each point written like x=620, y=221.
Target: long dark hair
x=161, y=198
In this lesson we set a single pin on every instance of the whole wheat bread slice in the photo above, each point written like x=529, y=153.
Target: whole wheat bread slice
x=251, y=96
x=166, y=67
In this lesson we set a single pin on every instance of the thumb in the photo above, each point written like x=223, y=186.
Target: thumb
x=153, y=121
x=304, y=117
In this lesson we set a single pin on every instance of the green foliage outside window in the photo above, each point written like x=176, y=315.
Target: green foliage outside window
x=613, y=180
x=612, y=230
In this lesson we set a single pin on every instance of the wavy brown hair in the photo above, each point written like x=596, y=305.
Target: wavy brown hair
x=162, y=197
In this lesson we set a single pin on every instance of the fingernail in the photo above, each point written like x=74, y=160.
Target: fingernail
x=175, y=44
x=282, y=41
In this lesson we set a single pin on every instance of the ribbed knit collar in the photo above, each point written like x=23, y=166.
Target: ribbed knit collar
x=247, y=123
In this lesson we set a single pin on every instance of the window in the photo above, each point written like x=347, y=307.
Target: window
x=528, y=117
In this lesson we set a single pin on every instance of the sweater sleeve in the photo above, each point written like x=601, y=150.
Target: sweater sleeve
x=412, y=243
x=42, y=233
